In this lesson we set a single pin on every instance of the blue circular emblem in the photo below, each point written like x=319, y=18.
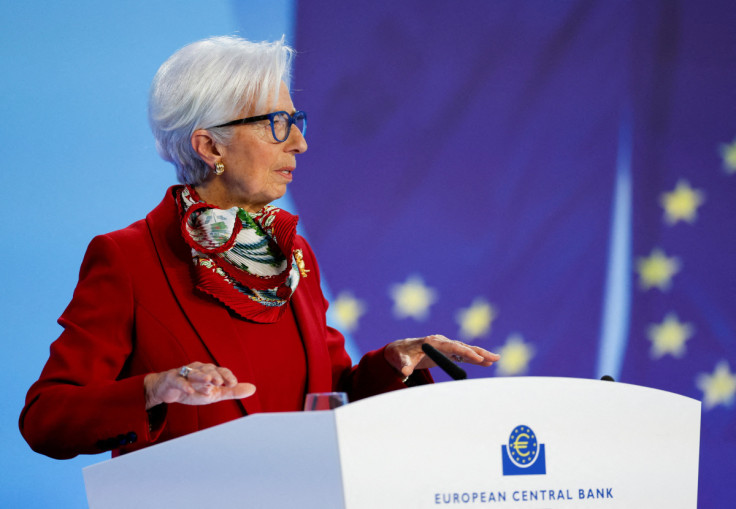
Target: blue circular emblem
x=523, y=446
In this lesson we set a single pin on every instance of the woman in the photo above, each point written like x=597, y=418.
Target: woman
x=178, y=318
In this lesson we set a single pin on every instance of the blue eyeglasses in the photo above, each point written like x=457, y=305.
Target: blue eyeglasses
x=280, y=121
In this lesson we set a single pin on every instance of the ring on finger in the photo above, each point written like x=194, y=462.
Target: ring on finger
x=458, y=358
x=184, y=371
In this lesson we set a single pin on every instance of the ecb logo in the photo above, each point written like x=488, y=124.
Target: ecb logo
x=523, y=455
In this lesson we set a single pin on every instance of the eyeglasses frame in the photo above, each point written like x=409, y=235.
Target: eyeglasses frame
x=270, y=116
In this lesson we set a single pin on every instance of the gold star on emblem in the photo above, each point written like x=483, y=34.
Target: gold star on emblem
x=728, y=152
x=475, y=321
x=412, y=298
x=515, y=356
x=682, y=203
x=347, y=310
x=657, y=270
x=669, y=336
x=719, y=388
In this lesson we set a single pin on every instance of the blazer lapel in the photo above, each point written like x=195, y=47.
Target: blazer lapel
x=209, y=318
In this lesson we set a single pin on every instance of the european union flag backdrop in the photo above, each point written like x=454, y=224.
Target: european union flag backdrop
x=553, y=181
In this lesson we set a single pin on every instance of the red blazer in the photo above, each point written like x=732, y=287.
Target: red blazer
x=135, y=311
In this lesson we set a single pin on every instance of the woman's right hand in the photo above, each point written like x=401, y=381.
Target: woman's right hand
x=203, y=384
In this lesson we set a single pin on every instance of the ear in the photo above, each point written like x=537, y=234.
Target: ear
x=205, y=145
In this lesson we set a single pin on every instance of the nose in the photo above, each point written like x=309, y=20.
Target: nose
x=296, y=142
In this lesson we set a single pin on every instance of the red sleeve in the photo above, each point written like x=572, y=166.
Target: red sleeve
x=373, y=374
x=79, y=404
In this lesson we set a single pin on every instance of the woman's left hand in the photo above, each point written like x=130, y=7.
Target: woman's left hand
x=406, y=355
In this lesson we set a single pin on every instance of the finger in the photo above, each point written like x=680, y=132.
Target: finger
x=198, y=378
x=205, y=389
x=227, y=375
x=489, y=357
x=407, y=364
x=170, y=387
x=204, y=374
x=242, y=390
x=194, y=383
x=180, y=383
x=238, y=391
x=204, y=394
x=212, y=374
x=461, y=352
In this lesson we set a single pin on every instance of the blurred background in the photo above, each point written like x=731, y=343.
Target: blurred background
x=551, y=180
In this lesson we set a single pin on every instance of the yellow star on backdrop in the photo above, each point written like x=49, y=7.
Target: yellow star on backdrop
x=682, y=203
x=719, y=388
x=515, y=356
x=657, y=270
x=347, y=310
x=669, y=336
x=412, y=298
x=728, y=152
x=475, y=321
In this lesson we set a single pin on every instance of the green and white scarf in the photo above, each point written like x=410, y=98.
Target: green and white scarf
x=246, y=260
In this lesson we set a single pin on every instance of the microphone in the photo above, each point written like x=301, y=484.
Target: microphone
x=449, y=367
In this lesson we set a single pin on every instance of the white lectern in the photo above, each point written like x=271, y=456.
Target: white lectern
x=497, y=442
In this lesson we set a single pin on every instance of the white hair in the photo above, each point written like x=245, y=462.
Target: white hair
x=207, y=83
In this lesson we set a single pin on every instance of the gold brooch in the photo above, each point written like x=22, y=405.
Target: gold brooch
x=300, y=262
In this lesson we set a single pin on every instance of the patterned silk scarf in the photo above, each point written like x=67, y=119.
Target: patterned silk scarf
x=246, y=260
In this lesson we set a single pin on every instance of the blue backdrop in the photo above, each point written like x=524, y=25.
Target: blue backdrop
x=554, y=181
x=79, y=160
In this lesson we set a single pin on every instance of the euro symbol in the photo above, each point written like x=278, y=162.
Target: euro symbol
x=521, y=444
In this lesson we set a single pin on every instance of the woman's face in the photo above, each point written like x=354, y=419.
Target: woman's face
x=257, y=167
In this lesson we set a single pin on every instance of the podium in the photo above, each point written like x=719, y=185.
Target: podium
x=498, y=442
